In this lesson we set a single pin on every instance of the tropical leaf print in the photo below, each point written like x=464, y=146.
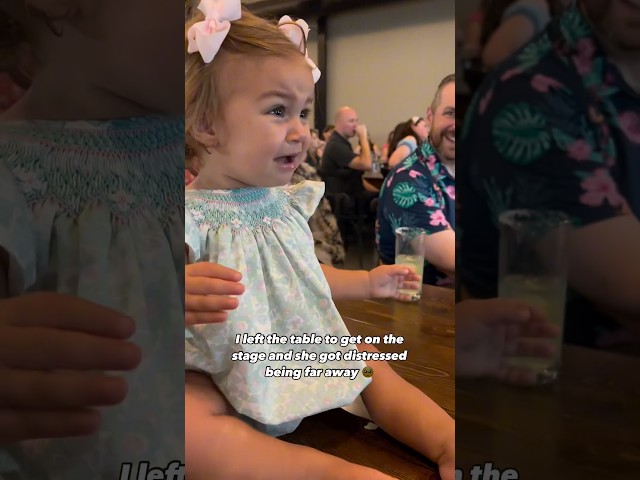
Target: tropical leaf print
x=533, y=53
x=409, y=161
x=520, y=134
x=395, y=222
x=573, y=27
x=531, y=191
x=471, y=114
x=499, y=200
x=404, y=195
x=594, y=76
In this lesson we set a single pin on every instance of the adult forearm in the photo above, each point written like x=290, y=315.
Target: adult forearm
x=365, y=152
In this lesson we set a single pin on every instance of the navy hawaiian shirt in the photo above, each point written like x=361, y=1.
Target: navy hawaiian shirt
x=419, y=192
x=555, y=127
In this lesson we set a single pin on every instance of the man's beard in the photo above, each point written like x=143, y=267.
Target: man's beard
x=437, y=140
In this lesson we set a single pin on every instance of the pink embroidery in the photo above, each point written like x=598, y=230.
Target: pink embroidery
x=429, y=202
x=415, y=174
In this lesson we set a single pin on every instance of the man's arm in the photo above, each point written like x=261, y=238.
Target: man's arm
x=362, y=162
x=440, y=251
x=603, y=266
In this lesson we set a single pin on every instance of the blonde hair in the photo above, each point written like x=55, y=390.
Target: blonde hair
x=248, y=36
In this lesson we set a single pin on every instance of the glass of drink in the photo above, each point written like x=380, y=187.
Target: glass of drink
x=533, y=268
x=410, y=244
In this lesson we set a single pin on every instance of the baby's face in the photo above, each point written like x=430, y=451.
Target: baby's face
x=263, y=131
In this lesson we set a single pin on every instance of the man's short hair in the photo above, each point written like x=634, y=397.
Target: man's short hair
x=437, y=98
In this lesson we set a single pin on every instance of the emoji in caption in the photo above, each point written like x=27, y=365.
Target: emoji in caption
x=367, y=372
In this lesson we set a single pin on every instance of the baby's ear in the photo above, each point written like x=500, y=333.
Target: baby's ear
x=207, y=138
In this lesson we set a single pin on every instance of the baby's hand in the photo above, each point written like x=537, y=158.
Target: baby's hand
x=207, y=290
x=385, y=280
x=52, y=349
x=489, y=331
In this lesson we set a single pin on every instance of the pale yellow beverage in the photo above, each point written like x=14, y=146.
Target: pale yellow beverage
x=417, y=263
x=548, y=294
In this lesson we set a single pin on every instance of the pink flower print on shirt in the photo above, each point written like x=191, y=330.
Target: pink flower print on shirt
x=438, y=218
x=600, y=187
x=630, y=125
x=542, y=83
x=415, y=174
x=584, y=59
x=429, y=202
x=510, y=73
x=451, y=191
x=431, y=162
x=484, y=102
x=580, y=150
x=586, y=47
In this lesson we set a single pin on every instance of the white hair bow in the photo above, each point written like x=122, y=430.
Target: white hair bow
x=295, y=31
x=207, y=36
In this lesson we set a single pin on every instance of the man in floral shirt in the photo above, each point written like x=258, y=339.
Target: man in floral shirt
x=557, y=127
x=420, y=192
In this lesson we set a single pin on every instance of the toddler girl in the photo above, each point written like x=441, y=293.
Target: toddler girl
x=248, y=89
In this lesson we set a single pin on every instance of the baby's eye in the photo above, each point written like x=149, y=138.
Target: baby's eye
x=305, y=114
x=277, y=111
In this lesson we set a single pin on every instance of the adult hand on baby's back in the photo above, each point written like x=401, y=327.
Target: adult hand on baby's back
x=208, y=290
x=53, y=350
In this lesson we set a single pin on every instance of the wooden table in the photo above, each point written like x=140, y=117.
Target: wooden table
x=586, y=427
x=429, y=331
x=375, y=179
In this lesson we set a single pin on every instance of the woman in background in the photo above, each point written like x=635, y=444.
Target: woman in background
x=508, y=25
x=407, y=137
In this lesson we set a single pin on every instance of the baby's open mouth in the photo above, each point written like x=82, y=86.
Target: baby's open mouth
x=286, y=160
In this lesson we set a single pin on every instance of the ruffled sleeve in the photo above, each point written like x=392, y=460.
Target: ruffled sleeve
x=192, y=237
x=305, y=197
x=17, y=232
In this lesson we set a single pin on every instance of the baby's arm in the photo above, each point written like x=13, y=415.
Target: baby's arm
x=218, y=445
x=408, y=415
x=347, y=284
x=381, y=282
